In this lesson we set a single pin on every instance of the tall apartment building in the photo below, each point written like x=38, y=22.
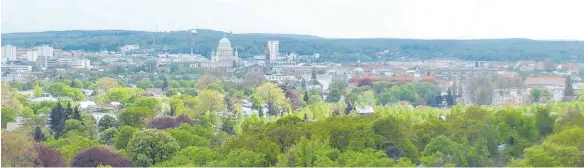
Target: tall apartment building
x=32, y=56
x=272, y=50
x=45, y=51
x=9, y=52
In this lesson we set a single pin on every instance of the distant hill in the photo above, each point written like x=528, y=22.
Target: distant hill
x=338, y=50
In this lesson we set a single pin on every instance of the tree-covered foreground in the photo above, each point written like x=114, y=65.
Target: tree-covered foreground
x=202, y=123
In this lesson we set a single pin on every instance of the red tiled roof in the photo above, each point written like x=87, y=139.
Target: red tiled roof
x=557, y=80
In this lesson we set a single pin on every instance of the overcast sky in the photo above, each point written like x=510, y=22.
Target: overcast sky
x=424, y=19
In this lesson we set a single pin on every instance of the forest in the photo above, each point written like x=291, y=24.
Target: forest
x=203, y=123
x=330, y=49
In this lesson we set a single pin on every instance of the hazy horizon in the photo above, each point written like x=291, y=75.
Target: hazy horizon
x=414, y=19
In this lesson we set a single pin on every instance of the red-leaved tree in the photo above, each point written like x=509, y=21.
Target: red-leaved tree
x=183, y=118
x=163, y=123
x=97, y=156
x=47, y=157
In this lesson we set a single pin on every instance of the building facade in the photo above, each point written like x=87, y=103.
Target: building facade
x=9, y=53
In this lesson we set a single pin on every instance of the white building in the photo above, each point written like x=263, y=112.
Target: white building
x=540, y=82
x=45, y=51
x=503, y=97
x=279, y=78
x=17, y=68
x=9, y=53
x=273, y=49
x=223, y=57
x=81, y=64
x=128, y=48
x=32, y=56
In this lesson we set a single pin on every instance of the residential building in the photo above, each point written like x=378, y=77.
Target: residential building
x=505, y=97
x=279, y=78
x=463, y=74
x=541, y=82
x=45, y=51
x=272, y=51
x=9, y=52
x=32, y=56
x=17, y=68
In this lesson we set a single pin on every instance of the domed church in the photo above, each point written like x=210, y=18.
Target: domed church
x=224, y=51
x=222, y=57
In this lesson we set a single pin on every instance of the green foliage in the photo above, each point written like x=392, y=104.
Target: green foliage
x=108, y=121
x=70, y=144
x=149, y=147
x=186, y=135
x=124, y=136
x=108, y=136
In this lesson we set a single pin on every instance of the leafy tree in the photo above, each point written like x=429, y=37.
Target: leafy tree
x=108, y=136
x=133, y=116
x=74, y=125
x=539, y=95
x=163, y=123
x=47, y=157
x=211, y=101
x=172, y=92
x=108, y=121
x=149, y=147
x=272, y=95
x=124, y=136
x=70, y=144
x=17, y=150
x=192, y=156
x=144, y=84
x=191, y=136
x=106, y=83
x=184, y=119
x=38, y=91
x=98, y=156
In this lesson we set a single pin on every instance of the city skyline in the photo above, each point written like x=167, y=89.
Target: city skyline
x=418, y=19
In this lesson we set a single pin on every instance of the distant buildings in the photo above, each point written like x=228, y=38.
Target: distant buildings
x=45, y=51
x=223, y=57
x=17, y=68
x=128, y=48
x=32, y=56
x=8, y=53
x=272, y=51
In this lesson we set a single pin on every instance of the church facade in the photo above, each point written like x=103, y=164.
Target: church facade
x=223, y=57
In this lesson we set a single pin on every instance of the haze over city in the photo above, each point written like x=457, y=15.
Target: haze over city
x=420, y=19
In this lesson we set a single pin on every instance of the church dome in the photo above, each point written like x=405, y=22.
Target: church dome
x=224, y=43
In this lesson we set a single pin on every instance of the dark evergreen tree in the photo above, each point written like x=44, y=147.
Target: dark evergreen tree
x=261, y=112
x=57, y=120
x=172, y=112
x=69, y=111
x=165, y=84
x=72, y=84
x=568, y=90
x=39, y=136
x=306, y=97
x=349, y=107
x=76, y=114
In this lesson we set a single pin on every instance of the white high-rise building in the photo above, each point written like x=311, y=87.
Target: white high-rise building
x=32, y=56
x=273, y=49
x=9, y=52
x=45, y=51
